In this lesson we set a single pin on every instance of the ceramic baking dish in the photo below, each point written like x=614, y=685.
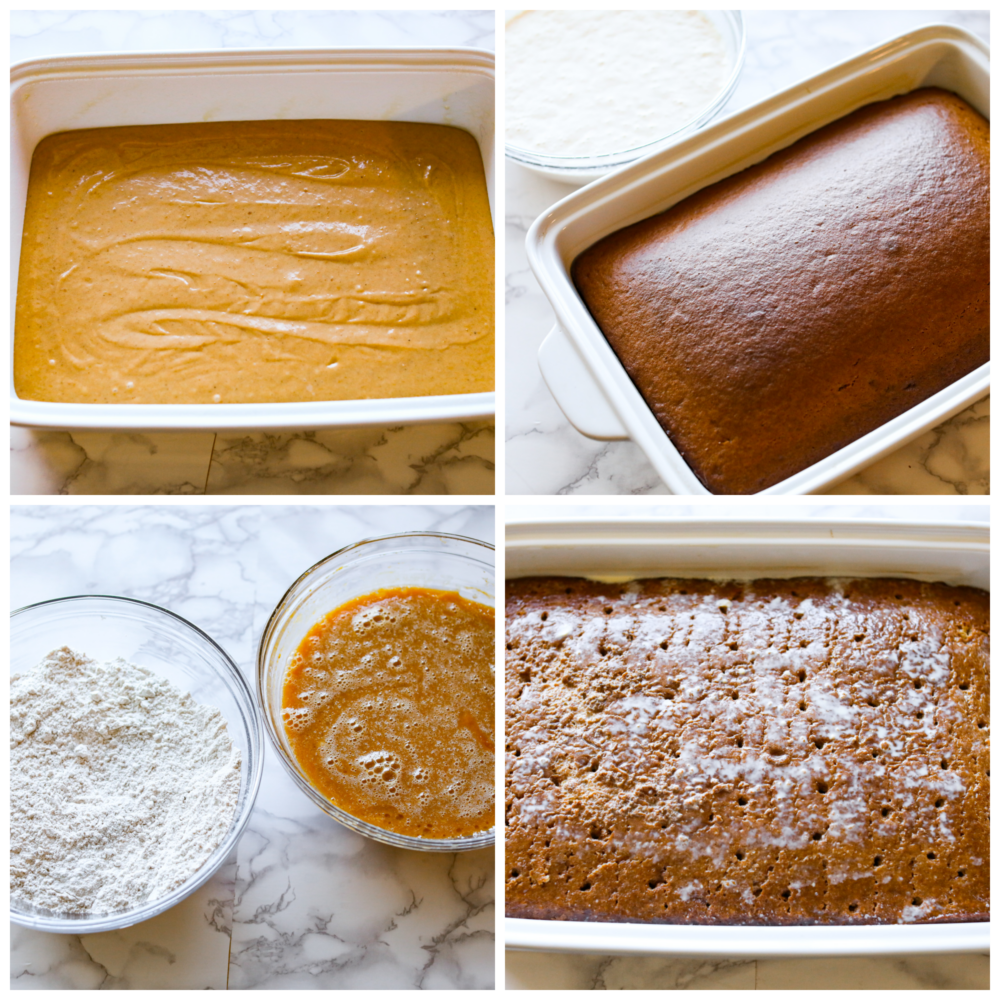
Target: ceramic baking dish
x=578, y=364
x=955, y=553
x=438, y=86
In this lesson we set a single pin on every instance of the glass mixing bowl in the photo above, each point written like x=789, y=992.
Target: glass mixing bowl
x=582, y=169
x=105, y=628
x=411, y=559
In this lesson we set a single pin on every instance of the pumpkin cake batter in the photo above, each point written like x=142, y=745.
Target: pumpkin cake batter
x=248, y=262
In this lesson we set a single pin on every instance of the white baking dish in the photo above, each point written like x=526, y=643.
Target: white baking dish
x=578, y=364
x=437, y=86
x=955, y=553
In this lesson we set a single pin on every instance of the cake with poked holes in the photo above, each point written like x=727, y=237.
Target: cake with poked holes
x=802, y=751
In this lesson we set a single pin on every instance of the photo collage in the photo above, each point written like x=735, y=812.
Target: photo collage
x=324, y=320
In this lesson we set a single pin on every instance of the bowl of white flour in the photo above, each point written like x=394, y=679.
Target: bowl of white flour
x=136, y=752
x=587, y=91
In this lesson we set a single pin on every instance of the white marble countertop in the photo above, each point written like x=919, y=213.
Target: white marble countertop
x=304, y=903
x=546, y=455
x=422, y=459
x=548, y=971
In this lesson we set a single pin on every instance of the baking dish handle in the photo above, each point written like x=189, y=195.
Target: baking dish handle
x=579, y=397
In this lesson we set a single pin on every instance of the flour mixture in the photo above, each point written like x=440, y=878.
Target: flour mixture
x=121, y=786
x=587, y=82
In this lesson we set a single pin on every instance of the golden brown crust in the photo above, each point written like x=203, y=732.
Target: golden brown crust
x=776, y=316
x=799, y=751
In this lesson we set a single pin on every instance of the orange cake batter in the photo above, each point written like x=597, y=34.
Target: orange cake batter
x=388, y=707
x=247, y=262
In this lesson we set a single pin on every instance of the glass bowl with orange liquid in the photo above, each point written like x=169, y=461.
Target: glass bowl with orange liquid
x=376, y=680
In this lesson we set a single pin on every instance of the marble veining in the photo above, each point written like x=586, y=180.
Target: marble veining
x=369, y=914
x=528, y=970
x=546, y=455
x=423, y=459
x=302, y=902
x=532, y=971
x=418, y=460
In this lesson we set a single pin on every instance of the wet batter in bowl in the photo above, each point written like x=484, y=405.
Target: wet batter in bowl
x=388, y=707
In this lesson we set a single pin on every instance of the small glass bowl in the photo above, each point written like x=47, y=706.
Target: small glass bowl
x=411, y=559
x=583, y=169
x=105, y=628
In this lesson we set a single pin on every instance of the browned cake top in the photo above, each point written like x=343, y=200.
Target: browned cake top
x=778, y=315
x=776, y=752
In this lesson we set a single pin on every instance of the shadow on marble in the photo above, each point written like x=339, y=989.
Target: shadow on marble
x=545, y=971
x=420, y=459
x=97, y=462
x=914, y=972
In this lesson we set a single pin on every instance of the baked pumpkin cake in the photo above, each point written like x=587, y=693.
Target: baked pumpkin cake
x=774, y=317
x=803, y=751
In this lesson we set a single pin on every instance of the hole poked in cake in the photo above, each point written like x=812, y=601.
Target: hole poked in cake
x=754, y=729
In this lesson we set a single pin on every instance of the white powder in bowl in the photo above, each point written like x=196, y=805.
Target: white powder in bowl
x=121, y=786
x=591, y=82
